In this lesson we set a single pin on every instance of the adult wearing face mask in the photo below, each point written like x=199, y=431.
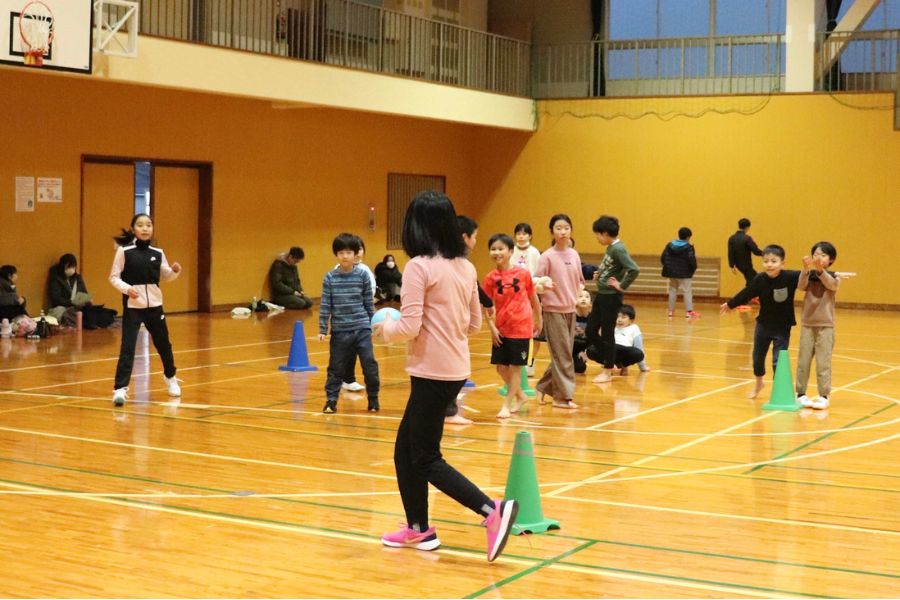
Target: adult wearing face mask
x=388, y=278
x=66, y=289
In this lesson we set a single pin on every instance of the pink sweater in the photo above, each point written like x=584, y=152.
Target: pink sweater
x=439, y=310
x=564, y=268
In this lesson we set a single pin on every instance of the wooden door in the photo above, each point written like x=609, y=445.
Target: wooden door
x=108, y=206
x=175, y=201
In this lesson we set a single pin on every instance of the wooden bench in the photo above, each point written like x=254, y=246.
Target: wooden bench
x=651, y=282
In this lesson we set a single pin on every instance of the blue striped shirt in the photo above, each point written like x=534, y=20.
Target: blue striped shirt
x=346, y=300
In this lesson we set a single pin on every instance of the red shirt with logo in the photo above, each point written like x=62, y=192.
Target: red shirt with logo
x=511, y=290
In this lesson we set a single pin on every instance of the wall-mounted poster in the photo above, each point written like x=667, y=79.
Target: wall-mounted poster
x=49, y=189
x=24, y=194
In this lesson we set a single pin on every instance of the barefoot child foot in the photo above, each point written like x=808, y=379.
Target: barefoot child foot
x=518, y=402
x=605, y=376
x=757, y=388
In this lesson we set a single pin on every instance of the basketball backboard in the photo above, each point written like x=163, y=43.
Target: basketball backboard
x=70, y=47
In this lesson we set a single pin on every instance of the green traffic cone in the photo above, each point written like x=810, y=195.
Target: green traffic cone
x=782, y=397
x=522, y=485
x=529, y=391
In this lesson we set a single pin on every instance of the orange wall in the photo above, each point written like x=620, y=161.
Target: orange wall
x=801, y=167
x=281, y=177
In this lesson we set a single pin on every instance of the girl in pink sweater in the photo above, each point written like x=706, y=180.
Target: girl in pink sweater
x=439, y=310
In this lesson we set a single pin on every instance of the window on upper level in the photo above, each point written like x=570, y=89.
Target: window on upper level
x=654, y=19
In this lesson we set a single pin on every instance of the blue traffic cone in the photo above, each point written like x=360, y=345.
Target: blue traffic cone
x=298, y=359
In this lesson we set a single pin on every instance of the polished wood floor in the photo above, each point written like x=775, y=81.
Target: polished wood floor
x=667, y=484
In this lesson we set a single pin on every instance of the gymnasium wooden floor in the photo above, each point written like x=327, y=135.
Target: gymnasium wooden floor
x=671, y=484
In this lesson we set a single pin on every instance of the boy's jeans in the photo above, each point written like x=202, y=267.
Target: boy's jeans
x=344, y=347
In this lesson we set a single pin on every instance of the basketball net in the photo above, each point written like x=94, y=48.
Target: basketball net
x=36, y=31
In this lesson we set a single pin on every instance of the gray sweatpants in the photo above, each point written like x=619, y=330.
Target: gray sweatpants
x=818, y=342
x=685, y=285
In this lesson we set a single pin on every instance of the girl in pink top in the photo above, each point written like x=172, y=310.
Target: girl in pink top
x=439, y=310
x=563, y=265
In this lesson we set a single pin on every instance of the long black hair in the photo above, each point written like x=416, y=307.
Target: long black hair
x=430, y=227
x=127, y=237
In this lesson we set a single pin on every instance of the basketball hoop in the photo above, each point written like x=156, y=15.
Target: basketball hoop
x=36, y=31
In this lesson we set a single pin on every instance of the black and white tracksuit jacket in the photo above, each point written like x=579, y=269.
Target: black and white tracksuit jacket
x=141, y=266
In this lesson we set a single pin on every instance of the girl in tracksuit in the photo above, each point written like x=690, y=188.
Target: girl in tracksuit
x=136, y=272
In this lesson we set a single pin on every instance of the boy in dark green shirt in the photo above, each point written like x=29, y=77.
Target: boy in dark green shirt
x=617, y=272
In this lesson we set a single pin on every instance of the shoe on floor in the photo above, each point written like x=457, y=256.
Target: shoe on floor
x=499, y=523
x=352, y=387
x=374, y=406
x=804, y=401
x=529, y=371
x=691, y=314
x=820, y=403
x=330, y=406
x=173, y=387
x=410, y=538
x=119, y=396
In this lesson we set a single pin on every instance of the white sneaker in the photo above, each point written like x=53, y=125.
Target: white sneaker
x=174, y=388
x=353, y=387
x=805, y=401
x=119, y=396
x=819, y=403
x=529, y=371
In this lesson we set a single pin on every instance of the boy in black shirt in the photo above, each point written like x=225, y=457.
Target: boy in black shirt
x=775, y=289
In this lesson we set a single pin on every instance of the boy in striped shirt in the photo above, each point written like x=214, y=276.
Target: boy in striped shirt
x=347, y=302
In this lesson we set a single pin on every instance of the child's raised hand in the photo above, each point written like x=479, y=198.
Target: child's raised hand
x=176, y=267
x=133, y=293
x=807, y=263
x=724, y=309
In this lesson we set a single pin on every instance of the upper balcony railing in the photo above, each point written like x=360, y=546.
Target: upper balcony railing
x=660, y=67
x=354, y=34
x=347, y=33
x=857, y=60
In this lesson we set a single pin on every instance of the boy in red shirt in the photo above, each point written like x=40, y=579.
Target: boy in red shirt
x=517, y=319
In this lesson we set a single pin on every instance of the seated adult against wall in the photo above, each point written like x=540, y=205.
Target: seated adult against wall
x=388, y=278
x=11, y=303
x=66, y=290
x=284, y=279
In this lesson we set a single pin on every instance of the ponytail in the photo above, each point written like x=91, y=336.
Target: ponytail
x=126, y=238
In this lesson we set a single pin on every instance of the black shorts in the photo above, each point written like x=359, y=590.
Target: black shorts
x=513, y=351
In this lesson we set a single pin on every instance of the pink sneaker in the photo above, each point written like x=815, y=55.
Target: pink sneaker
x=410, y=538
x=499, y=523
x=692, y=314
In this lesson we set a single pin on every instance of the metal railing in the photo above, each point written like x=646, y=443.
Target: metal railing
x=653, y=67
x=857, y=60
x=348, y=33
x=353, y=34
